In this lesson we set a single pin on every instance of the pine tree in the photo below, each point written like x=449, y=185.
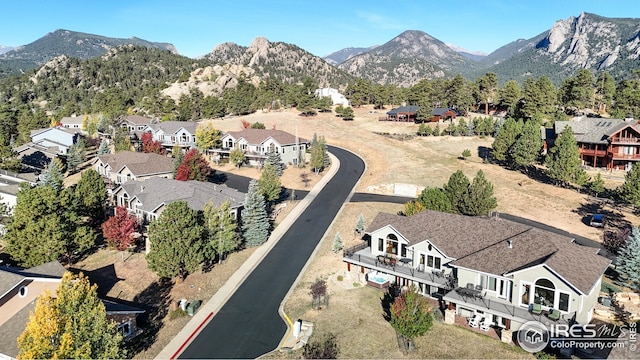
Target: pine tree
x=337, y=243
x=628, y=261
x=436, y=199
x=275, y=160
x=222, y=231
x=91, y=196
x=269, y=184
x=53, y=176
x=104, y=147
x=526, y=149
x=360, y=225
x=326, y=160
x=411, y=318
x=255, y=222
x=597, y=185
x=317, y=157
x=456, y=189
x=630, y=189
x=563, y=160
x=479, y=199
x=177, y=241
x=505, y=138
x=72, y=325
x=76, y=156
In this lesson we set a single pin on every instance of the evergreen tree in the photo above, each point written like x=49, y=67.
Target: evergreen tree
x=630, y=189
x=71, y=325
x=326, y=160
x=269, y=184
x=628, y=261
x=76, y=156
x=317, y=157
x=411, y=318
x=222, y=231
x=121, y=140
x=275, y=160
x=510, y=94
x=53, y=176
x=456, y=189
x=104, y=147
x=505, y=138
x=255, y=222
x=597, y=185
x=436, y=199
x=347, y=113
x=178, y=156
x=177, y=241
x=337, y=244
x=479, y=199
x=8, y=157
x=525, y=151
x=424, y=130
x=563, y=160
x=45, y=226
x=360, y=225
x=91, y=196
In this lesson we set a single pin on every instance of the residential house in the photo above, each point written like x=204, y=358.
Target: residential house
x=502, y=270
x=257, y=143
x=36, y=157
x=442, y=114
x=336, y=97
x=72, y=122
x=126, y=166
x=174, y=133
x=19, y=289
x=147, y=199
x=135, y=123
x=62, y=138
x=613, y=144
x=10, y=187
x=402, y=113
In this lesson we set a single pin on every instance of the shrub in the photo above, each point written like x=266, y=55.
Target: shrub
x=339, y=278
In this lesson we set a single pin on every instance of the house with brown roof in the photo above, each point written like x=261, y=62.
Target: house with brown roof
x=257, y=143
x=613, y=144
x=126, y=166
x=506, y=272
x=19, y=289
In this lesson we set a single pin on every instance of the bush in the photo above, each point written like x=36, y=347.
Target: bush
x=176, y=314
x=327, y=348
x=339, y=278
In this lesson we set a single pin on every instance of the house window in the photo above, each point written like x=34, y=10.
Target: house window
x=125, y=329
x=628, y=150
x=563, y=302
x=23, y=291
x=526, y=293
x=544, y=293
x=392, y=244
x=403, y=250
x=488, y=282
x=229, y=144
x=380, y=245
x=433, y=262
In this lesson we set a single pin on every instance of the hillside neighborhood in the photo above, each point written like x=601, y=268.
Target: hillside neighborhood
x=234, y=206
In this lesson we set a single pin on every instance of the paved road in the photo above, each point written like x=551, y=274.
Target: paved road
x=249, y=325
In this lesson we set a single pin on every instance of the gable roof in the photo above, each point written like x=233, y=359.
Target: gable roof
x=172, y=127
x=139, y=164
x=440, y=111
x=137, y=120
x=259, y=136
x=404, y=109
x=72, y=120
x=594, y=130
x=155, y=192
x=482, y=244
x=10, y=277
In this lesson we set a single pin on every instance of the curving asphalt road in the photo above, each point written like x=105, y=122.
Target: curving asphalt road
x=249, y=325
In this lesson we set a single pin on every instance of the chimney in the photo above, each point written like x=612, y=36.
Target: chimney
x=510, y=244
x=141, y=188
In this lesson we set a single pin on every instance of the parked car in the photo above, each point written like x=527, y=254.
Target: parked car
x=597, y=220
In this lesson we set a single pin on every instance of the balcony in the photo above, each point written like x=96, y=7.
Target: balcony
x=361, y=255
x=616, y=156
x=619, y=140
x=593, y=152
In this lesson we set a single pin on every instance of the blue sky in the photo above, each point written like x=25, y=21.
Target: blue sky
x=195, y=27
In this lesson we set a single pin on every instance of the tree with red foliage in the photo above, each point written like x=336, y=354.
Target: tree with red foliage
x=194, y=167
x=119, y=230
x=151, y=146
x=246, y=124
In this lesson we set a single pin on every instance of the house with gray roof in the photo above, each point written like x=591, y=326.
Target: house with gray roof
x=502, y=270
x=126, y=166
x=402, y=113
x=19, y=290
x=257, y=143
x=60, y=137
x=613, y=144
x=147, y=199
x=72, y=122
x=174, y=133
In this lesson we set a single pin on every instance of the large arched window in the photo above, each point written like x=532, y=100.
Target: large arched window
x=544, y=292
x=392, y=244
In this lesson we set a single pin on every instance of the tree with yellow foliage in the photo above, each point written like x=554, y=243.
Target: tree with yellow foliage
x=72, y=325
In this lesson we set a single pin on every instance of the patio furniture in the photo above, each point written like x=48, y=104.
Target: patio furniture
x=474, y=321
x=479, y=287
x=553, y=314
x=486, y=324
x=380, y=259
x=536, y=309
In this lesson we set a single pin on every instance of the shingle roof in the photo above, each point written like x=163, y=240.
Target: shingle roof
x=154, y=192
x=594, y=130
x=482, y=244
x=172, y=127
x=11, y=276
x=404, y=109
x=258, y=136
x=137, y=120
x=440, y=111
x=72, y=120
x=10, y=330
x=140, y=164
